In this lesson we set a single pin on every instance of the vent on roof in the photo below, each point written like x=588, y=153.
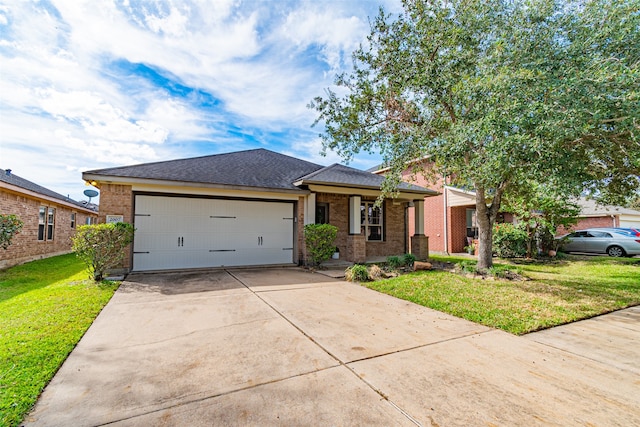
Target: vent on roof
x=7, y=172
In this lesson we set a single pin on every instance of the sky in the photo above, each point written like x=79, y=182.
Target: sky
x=95, y=84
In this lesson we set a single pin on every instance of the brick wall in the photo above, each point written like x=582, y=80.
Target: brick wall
x=25, y=246
x=395, y=232
x=434, y=222
x=302, y=250
x=338, y=216
x=457, y=228
x=590, y=222
x=116, y=199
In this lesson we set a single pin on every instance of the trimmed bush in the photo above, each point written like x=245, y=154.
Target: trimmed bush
x=357, y=273
x=101, y=246
x=509, y=241
x=10, y=225
x=319, y=240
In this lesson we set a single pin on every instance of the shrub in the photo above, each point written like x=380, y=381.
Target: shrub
x=101, y=246
x=10, y=225
x=409, y=260
x=357, y=273
x=394, y=262
x=318, y=239
x=509, y=241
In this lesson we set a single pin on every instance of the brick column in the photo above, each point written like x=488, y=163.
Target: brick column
x=420, y=247
x=356, y=248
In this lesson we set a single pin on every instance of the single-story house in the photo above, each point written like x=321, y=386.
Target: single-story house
x=49, y=219
x=249, y=208
x=595, y=215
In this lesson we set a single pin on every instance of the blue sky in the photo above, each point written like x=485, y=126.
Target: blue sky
x=94, y=84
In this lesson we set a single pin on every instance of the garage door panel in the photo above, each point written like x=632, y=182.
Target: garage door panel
x=179, y=232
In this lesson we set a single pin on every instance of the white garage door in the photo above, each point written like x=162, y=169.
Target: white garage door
x=630, y=222
x=180, y=232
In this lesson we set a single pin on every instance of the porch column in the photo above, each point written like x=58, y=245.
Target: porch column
x=310, y=209
x=418, y=209
x=356, y=242
x=354, y=215
x=420, y=247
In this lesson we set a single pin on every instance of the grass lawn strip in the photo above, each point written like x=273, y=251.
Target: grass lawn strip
x=45, y=308
x=559, y=292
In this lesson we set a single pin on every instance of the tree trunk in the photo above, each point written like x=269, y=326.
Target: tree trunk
x=485, y=234
x=486, y=217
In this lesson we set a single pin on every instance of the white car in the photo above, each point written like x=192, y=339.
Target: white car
x=601, y=241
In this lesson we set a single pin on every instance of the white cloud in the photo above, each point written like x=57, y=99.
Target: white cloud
x=65, y=107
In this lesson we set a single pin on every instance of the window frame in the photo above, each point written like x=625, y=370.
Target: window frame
x=51, y=223
x=42, y=222
x=325, y=207
x=367, y=206
x=73, y=220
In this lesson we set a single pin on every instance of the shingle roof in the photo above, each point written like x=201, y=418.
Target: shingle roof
x=591, y=208
x=259, y=168
x=13, y=179
x=337, y=174
x=251, y=168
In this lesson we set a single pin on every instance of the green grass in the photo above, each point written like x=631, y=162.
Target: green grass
x=558, y=292
x=45, y=308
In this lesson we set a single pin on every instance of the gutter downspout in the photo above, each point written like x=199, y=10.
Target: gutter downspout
x=446, y=222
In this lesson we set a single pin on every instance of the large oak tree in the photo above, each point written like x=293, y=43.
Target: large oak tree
x=499, y=93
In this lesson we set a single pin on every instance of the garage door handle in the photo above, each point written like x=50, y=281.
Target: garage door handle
x=180, y=241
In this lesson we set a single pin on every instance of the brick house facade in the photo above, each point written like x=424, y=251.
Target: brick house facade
x=50, y=220
x=178, y=208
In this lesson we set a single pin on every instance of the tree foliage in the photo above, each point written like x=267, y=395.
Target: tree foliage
x=540, y=210
x=101, y=246
x=319, y=240
x=10, y=225
x=499, y=93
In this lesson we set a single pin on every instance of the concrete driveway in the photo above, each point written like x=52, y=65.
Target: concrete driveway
x=288, y=347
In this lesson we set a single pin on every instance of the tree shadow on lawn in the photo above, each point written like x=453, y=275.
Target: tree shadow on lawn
x=38, y=274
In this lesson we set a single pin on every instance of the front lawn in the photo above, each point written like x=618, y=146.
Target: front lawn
x=557, y=292
x=45, y=308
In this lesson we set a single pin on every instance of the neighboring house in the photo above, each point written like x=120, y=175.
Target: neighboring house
x=594, y=215
x=49, y=218
x=249, y=208
x=450, y=216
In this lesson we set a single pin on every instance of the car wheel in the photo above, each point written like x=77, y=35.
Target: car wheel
x=615, y=251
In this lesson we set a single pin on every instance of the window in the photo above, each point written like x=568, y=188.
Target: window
x=472, y=224
x=42, y=214
x=50, y=223
x=322, y=213
x=371, y=221
x=73, y=220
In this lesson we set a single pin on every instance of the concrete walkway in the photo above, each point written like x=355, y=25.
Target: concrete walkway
x=287, y=347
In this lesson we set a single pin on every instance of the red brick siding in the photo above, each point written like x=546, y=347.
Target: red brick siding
x=434, y=222
x=457, y=228
x=590, y=222
x=25, y=246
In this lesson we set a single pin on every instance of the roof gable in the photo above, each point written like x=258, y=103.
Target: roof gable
x=342, y=175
